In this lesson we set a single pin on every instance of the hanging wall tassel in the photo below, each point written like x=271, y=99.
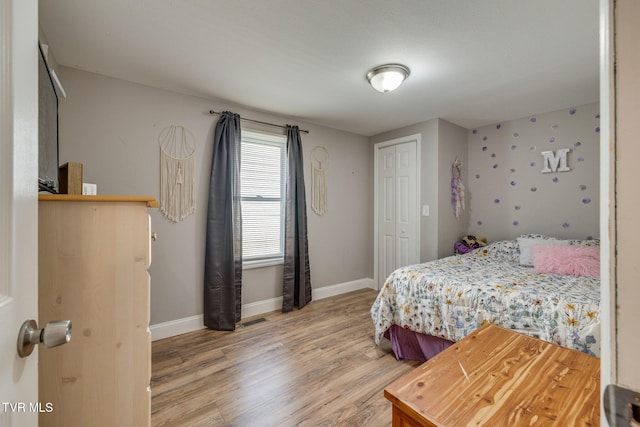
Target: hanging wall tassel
x=457, y=188
x=319, y=172
x=177, y=173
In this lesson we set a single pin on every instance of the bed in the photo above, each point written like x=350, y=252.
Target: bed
x=424, y=308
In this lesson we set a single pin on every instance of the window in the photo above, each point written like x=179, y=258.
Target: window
x=262, y=175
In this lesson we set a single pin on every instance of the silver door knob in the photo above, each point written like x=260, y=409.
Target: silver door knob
x=55, y=333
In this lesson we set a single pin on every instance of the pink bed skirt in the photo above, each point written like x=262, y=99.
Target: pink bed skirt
x=409, y=345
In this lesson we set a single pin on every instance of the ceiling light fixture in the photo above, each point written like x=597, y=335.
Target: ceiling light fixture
x=388, y=77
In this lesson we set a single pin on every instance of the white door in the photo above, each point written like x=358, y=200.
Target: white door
x=386, y=212
x=18, y=207
x=621, y=298
x=397, y=229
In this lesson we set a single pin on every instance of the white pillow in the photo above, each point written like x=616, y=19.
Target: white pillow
x=526, y=247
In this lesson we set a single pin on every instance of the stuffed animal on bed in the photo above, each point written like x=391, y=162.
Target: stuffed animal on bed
x=469, y=243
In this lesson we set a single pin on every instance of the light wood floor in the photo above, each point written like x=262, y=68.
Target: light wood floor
x=317, y=366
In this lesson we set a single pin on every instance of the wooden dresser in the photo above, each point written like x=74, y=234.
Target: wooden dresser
x=511, y=380
x=94, y=252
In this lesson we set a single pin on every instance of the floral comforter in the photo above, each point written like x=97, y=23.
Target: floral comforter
x=452, y=297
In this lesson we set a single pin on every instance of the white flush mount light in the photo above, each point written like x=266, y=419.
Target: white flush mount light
x=388, y=77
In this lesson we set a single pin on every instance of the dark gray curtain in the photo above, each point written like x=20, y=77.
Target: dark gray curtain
x=296, y=289
x=223, y=254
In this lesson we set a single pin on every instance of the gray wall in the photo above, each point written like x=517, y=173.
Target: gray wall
x=509, y=194
x=112, y=127
x=506, y=194
x=441, y=143
x=452, y=143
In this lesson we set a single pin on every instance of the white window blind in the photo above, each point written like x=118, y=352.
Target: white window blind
x=262, y=173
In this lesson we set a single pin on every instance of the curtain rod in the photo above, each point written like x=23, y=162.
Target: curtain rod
x=258, y=121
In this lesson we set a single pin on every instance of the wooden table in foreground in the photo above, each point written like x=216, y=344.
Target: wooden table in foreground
x=511, y=380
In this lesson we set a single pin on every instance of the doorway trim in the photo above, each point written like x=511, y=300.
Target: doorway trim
x=376, y=152
x=607, y=201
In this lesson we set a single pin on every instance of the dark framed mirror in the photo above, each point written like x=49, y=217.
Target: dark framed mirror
x=48, y=160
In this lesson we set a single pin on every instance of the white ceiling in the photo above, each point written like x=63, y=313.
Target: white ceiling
x=472, y=62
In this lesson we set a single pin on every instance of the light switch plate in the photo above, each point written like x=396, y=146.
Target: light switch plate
x=425, y=210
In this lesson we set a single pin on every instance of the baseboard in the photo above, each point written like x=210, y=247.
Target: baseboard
x=176, y=327
x=193, y=323
x=342, y=288
x=261, y=307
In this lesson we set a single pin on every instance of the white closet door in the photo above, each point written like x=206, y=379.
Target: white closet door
x=397, y=208
x=406, y=205
x=386, y=212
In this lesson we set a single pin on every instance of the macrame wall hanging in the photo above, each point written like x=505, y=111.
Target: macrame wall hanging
x=319, y=170
x=177, y=172
x=457, y=188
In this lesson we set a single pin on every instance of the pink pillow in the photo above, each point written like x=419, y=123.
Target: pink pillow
x=570, y=260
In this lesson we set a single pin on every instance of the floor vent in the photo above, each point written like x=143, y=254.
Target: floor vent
x=253, y=322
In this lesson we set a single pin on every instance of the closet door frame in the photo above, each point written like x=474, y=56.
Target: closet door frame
x=378, y=281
